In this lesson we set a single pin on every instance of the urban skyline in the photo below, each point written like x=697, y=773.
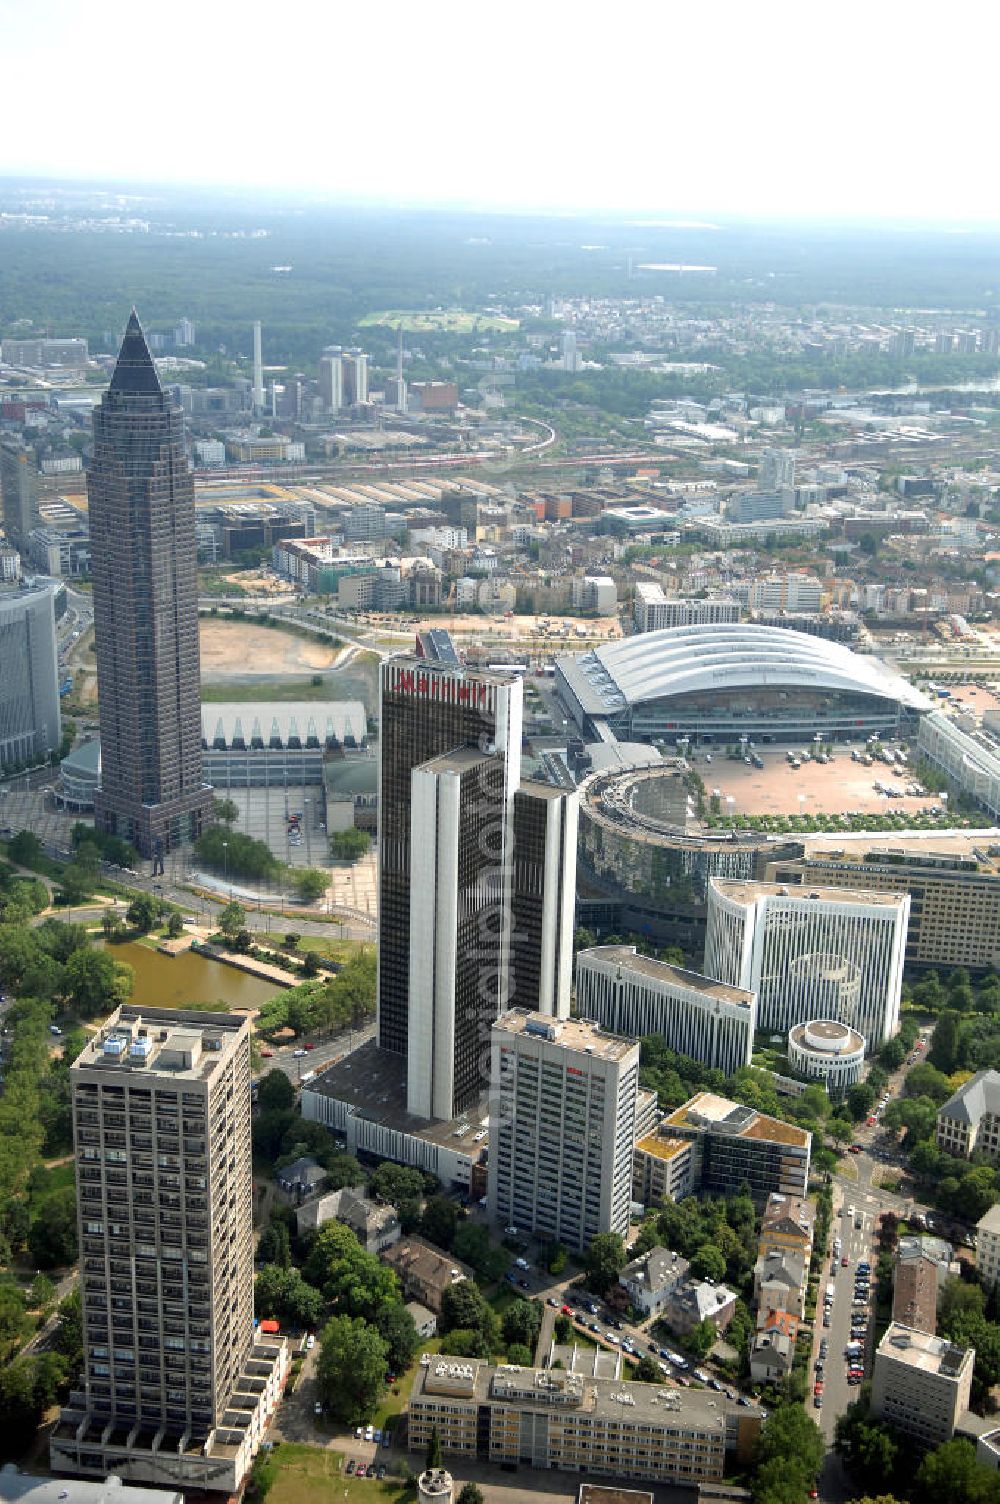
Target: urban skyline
x=562, y=660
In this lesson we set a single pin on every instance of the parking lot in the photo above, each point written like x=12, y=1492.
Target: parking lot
x=840, y=786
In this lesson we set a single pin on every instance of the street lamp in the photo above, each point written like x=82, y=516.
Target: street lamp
x=225, y=867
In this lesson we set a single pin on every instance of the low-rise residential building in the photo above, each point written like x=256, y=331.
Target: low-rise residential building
x=301, y=1178
x=649, y=1279
x=691, y=1302
x=921, y=1383
x=423, y=1319
x=988, y=1247
x=375, y=1224
x=563, y=1420
x=425, y=1273
x=970, y=1120
x=788, y=1222
x=595, y=592
x=773, y=1350
x=654, y=610
x=779, y=1281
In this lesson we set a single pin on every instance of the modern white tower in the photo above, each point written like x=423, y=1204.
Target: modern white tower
x=258, y=370
x=810, y=953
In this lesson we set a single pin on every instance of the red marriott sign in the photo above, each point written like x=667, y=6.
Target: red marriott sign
x=439, y=687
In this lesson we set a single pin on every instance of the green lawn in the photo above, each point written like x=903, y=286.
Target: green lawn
x=56, y=1179
x=267, y=689
x=395, y=1403
x=332, y=950
x=305, y=1474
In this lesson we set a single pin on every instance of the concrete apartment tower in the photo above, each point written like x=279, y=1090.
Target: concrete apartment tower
x=177, y=1386
x=144, y=565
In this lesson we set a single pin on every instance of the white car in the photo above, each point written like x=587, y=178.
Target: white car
x=297, y=1054
x=310, y=1342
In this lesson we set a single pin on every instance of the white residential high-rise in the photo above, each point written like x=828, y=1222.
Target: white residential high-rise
x=177, y=1386
x=257, y=393
x=355, y=363
x=777, y=470
x=570, y=353
x=635, y=995
x=810, y=953
x=563, y=1110
x=331, y=379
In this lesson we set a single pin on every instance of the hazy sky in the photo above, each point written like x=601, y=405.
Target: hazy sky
x=853, y=109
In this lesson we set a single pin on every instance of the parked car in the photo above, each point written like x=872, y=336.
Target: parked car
x=349, y=1469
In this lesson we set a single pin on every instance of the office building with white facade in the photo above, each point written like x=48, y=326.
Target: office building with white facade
x=921, y=1384
x=30, y=725
x=654, y=610
x=810, y=953
x=827, y=1051
x=331, y=378
x=563, y=1114
x=635, y=995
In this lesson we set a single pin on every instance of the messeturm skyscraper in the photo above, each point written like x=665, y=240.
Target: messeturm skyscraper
x=144, y=564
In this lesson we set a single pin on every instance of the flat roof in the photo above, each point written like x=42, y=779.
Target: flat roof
x=459, y=760
x=579, y=1034
x=662, y=971
x=569, y=1394
x=917, y=1349
x=147, y=1042
x=373, y=1084
x=746, y=892
x=539, y=789
x=662, y=1147
x=112, y=1490
x=706, y=1109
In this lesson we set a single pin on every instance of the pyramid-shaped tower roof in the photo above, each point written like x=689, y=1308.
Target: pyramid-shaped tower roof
x=135, y=373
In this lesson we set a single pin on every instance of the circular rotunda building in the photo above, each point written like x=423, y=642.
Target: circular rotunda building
x=827, y=1050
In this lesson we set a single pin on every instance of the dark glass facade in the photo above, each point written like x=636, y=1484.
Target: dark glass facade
x=144, y=564
x=426, y=711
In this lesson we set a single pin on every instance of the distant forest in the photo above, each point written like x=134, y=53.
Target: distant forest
x=346, y=263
